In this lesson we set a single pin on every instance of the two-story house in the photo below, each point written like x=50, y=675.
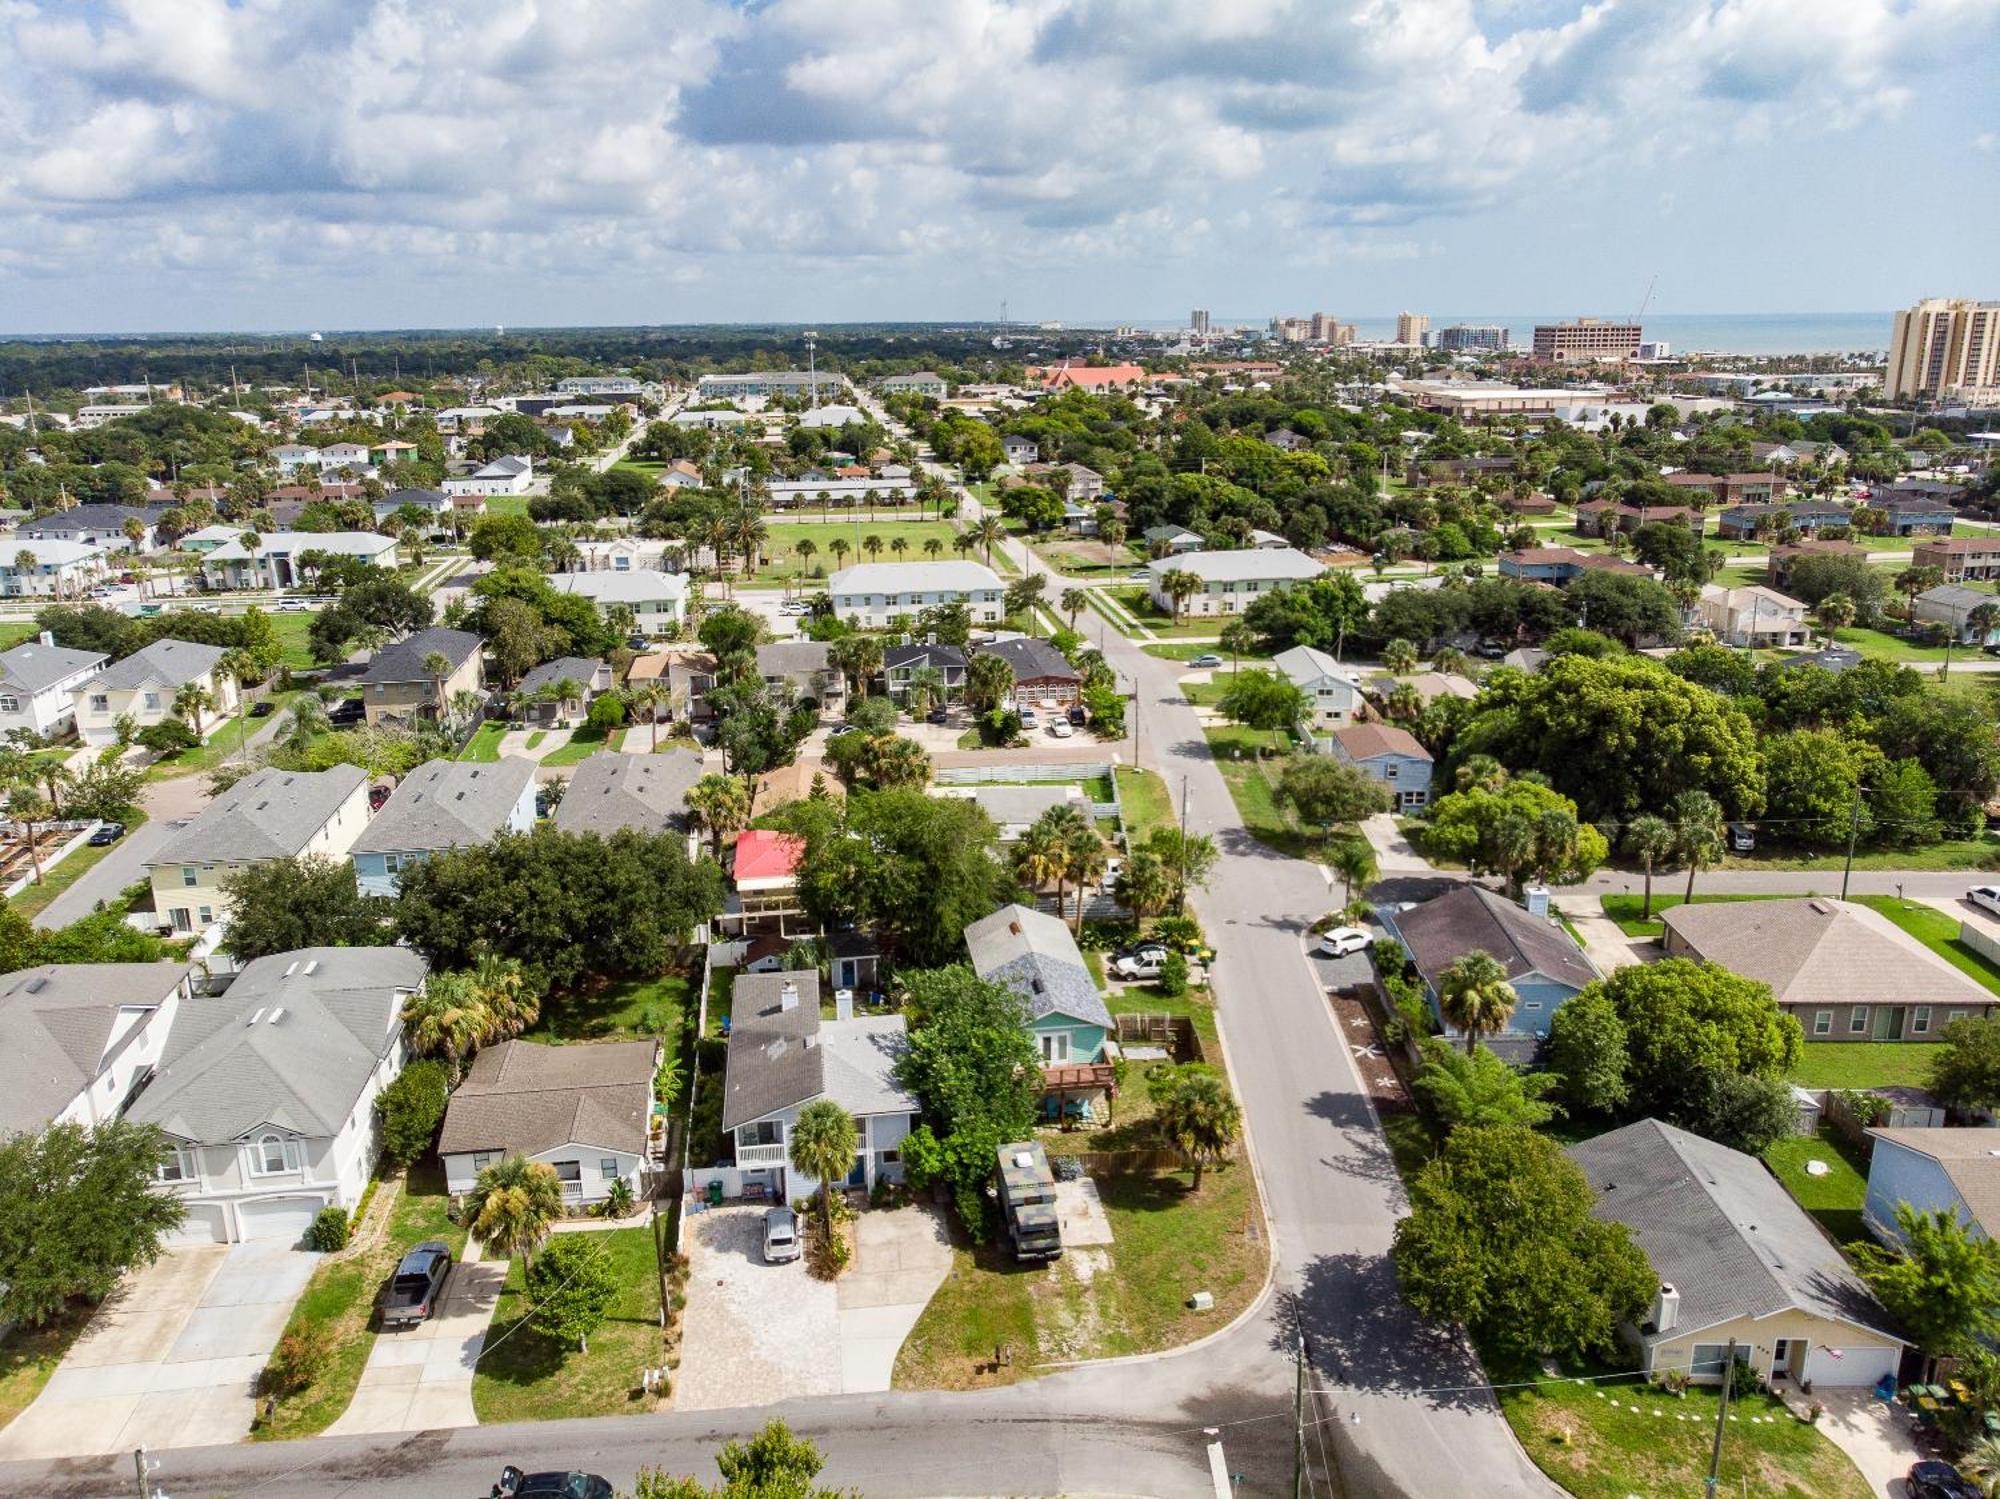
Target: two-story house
x=50, y=569
x=1033, y=953
x=100, y=526
x=1753, y=615
x=1389, y=754
x=82, y=1038
x=38, y=683
x=583, y=1111
x=872, y=594
x=803, y=671
x=1043, y=677
x=902, y=663
x=764, y=868
x=277, y=559
x=267, y=1092
x=1230, y=582
x=399, y=685
x=145, y=685
x=562, y=689
x=443, y=804
x=1333, y=693
x=658, y=600
x=783, y=1056
x=269, y=814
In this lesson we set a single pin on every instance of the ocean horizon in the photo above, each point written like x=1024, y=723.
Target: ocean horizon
x=1685, y=332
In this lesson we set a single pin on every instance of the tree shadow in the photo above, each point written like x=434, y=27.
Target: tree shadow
x=1360, y=1334
x=1371, y=1159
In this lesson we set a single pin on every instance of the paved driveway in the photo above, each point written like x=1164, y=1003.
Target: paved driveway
x=420, y=1378
x=755, y=1333
x=170, y=1359
x=900, y=1259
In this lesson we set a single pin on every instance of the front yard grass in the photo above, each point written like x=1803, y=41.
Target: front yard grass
x=33, y=900
x=1625, y=909
x=226, y=741
x=583, y=743
x=1186, y=651
x=1253, y=786
x=1864, y=1064
x=1138, y=602
x=1147, y=803
x=615, y=1013
x=1834, y=1199
x=340, y=1298
x=1938, y=932
x=29, y=1355
x=1617, y=1438
x=524, y=1376
x=1953, y=854
x=484, y=745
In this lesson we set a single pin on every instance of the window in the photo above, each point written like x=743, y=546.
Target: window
x=100, y=702
x=607, y=1168
x=1951, y=1015
x=179, y=1166
x=188, y=876
x=1920, y=1020
x=9, y=703
x=1857, y=1020
x=1822, y=1022
x=1531, y=1004
x=179, y=917
x=152, y=702
x=205, y=914
x=274, y=1155
x=764, y=1132
x=481, y=1159
x=1055, y=1045
x=1708, y=1357
x=1390, y=770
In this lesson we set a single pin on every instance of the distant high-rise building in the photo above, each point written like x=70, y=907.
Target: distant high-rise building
x=1656, y=348
x=1586, y=338
x=1198, y=322
x=1946, y=348
x=1465, y=338
x=1411, y=327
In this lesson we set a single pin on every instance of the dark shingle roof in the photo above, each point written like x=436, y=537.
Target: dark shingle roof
x=1720, y=1229
x=582, y=669
x=1032, y=659
x=1473, y=918
x=611, y=790
x=920, y=653
x=526, y=1098
x=775, y=1059
x=404, y=661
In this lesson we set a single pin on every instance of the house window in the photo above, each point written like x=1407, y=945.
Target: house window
x=9, y=703
x=1390, y=770
x=1951, y=1015
x=188, y=876
x=274, y=1155
x=1857, y=1020
x=481, y=1159
x=764, y=1132
x=1531, y=1004
x=179, y=917
x=179, y=1166
x=1822, y=1022
x=1920, y=1020
x=1055, y=1046
x=607, y=1167
x=205, y=914
x=152, y=702
x=100, y=702
x=1708, y=1359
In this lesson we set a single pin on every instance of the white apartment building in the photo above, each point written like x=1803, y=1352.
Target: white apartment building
x=1230, y=582
x=871, y=594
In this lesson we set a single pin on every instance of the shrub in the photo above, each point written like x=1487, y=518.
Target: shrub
x=1173, y=980
x=329, y=1229
x=826, y=1253
x=297, y=1362
x=1178, y=931
x=412, y=1107
x=167, y=737
x=618, y=1201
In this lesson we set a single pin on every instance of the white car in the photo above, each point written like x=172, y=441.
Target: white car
x=1113, y=867
x=781, y=1236
x=1029, y=718
x=1343, y=940
x=293, y=606
x=1985, y=895
x=1059, y=729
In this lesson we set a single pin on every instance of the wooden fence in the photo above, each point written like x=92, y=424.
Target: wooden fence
x=1175, y=1032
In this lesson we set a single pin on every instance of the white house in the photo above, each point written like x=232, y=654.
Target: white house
x=509, y=475
x=658, y=600
x=350, y=455
x=291, y=455
x=30, y=568
x=1332, y=692
x=584, y=1110
x=921, y=383
x=783, y=1056
x=81, y=1037
x=871, y=594
x=38, y=683
x=144, y=685
x=275, y=562
x=267, y=1092
x=1753, y=615
x=1230, y=582
x=789, y=494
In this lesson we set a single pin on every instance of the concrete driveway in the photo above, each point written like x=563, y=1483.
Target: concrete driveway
x=900, y=1259
x=420, y=1378
x=1875, y=1433
x=171, y=1358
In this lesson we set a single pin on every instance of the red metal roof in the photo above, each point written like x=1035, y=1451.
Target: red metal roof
x=764, y=855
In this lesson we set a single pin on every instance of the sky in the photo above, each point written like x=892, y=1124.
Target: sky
x=286, y=164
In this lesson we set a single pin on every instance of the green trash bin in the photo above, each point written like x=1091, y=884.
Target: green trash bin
x=715, y=1194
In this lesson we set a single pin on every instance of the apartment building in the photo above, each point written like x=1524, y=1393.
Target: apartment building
x=873, y=593
x=1948, y=349
x=1584, y=339
x=789, y=384
x=1473, y=338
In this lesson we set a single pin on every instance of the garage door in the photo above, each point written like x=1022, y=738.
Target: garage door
x=287, y=1218
x=203, y=1225
x=1849, y=1366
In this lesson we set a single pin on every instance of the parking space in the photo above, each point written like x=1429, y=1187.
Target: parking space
x=420, y=1378
x=766, y=604
x=171, y=1359
x=755, y=1333
x=900, y=1259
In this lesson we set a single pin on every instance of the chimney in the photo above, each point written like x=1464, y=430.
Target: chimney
x=1666, y=1309
x=46, y=637
x=788, y=997
x=1536, y=899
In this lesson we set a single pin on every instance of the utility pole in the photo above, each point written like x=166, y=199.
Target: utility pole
x=1853, y=830
x=812, y=372
x=1180, y=902
x=1299, y=1420
x=1721, y=1415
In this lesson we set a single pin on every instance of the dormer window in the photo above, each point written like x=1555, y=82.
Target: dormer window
x=274, y=1155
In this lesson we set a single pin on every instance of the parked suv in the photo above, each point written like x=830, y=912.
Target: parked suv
x=1142, y=962
x=417, y=1288
x=781, y=1236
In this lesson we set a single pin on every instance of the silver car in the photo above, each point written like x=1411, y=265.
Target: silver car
x=781, y=1236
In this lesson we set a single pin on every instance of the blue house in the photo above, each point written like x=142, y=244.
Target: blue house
x=443, y=804
x=1389, y=755
x=1032, y=953
x=1542, y=963
x=1951, y=1170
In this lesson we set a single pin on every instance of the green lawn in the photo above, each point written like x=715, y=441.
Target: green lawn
x=1625, y=909
x=583, y=743
x=1079, y=556
x=1864, y=1064
x=1253, y=783
x=523, y=1376
x=1879, y=645
x=1208, y=694
x=1186, y=651
x=31, y=901
x=1834, y=1199
x=781, y=560
x=1954, y=854
x=507, y=504
x=341, y=1297
x=29, y=1355
x=293, y=631
x=225, y=742
x=1147, y=802
x=1621, y=1438
x=14, y=631
x=484, y=745
x=618, y=1012
x=1139, y=604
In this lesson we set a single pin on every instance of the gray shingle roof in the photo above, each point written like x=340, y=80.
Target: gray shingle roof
x=611, y=790
x=1032, y=660
x=269, y=814
x=583, y=669
x=445, y=803
x=774, y=1056
x=859, y=1059
x=1033, y=954
x=1720, y=1229
x=1474, y=918
x=526, y=1098
x=171, y=663
x=35, y=667
x=920, y=653
x=404, y=661
x=85, y=518
x=291, y=1043
x=58, y=1020
x=1008, y=805
x=786, y=658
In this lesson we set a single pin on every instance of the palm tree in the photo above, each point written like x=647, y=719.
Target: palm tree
x=1353, y=859
x=987, y=531
x=1451, y=659
x=1649, y=839
x=1475, y=997
x=926, y=690
x=512, y=1203
x=1400, y=657
x=1834, y=614
x=252, y=543
x=1073, y=600
x=806, y=549
x=898, y=545
x=933, y=547
x=840, y=547
x=437, y=666
x=1981, y=1462
x=1195, y=1111
x=1983, y=618
x=822, y=1147
x=192, y=700
x=1403, y=703
x=309, y=720
x=1237, y=637
x=26, y=806
x=1697, y=822
x=447, y=1019
x=26, y=566
x=720, y=805
x=1180, y=585
x=1085, y=858
x=650, y=697
x=1041, y=858
x=963, y=543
